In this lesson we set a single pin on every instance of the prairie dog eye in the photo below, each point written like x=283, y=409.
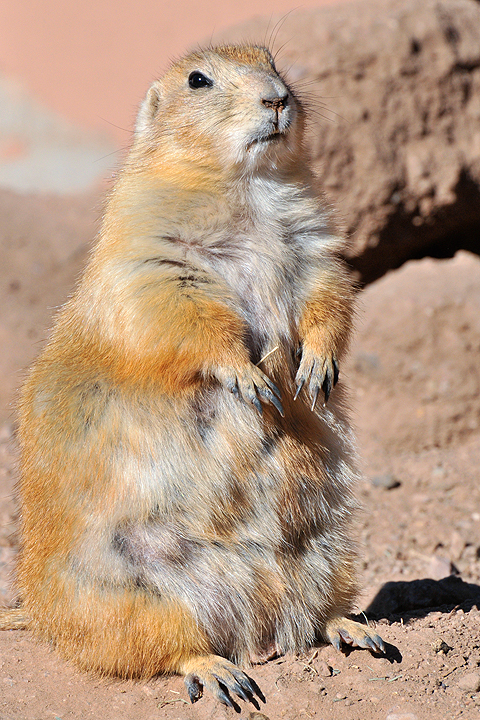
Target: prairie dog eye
x=197, y=80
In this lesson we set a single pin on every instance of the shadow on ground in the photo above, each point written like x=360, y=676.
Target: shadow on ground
x=417, y=598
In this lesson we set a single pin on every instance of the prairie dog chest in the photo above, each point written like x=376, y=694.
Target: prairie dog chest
x=259, y=256
x=261, y=274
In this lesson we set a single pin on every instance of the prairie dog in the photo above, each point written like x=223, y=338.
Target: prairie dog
x=186, y=493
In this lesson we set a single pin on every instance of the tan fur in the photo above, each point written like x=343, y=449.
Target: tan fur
x=13, y=619
x=167, y=524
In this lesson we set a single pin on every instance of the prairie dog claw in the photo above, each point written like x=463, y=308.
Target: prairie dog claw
x=321, y=373
x=194, y=688
x=223, y=680
x=251, y=385
x=342, y=629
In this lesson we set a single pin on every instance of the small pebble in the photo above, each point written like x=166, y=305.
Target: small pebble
x=257, y=716
x=367, y=364
x=402, y=716
x=340, y=696
x=440, y=646
x=457, y=545
x=470, y=682
x=439, y=472
x=439, y=567
x=323, y=669
x=387, y=481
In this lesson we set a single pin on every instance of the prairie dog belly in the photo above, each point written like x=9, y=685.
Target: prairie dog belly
x=224, y=548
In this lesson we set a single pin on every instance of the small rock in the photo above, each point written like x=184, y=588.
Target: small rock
x=439, y=567
x=457, y=545
x=257, y=716
x=387, y=481
x=340, y=696
x=439, y=472
x=470, y=682
x=323, y=669
x=401, y=716
x=440, y=646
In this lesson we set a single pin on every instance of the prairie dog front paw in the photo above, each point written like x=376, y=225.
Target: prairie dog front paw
x=250, y=384
x=319, y=371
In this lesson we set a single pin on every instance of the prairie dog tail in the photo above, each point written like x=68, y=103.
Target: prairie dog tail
x=13, y=619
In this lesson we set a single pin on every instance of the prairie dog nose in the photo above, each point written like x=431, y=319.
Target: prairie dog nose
x=276, y=103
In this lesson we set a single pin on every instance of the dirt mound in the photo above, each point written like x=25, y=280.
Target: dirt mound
x=415, y=364
x=394, y=89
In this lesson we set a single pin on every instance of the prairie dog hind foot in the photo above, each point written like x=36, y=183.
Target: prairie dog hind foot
x=342, y=629
x=222, y=679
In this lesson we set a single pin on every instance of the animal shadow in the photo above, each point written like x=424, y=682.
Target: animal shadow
x=417, y=598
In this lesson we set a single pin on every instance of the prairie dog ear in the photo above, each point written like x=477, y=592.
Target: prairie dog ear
x=148, y=108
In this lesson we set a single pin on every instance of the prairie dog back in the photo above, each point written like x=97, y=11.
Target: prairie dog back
x=186, y=491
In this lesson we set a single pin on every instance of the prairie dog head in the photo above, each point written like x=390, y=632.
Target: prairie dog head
x=227, y=106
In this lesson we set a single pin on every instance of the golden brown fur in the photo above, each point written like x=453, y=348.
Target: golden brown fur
x=175, y=512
